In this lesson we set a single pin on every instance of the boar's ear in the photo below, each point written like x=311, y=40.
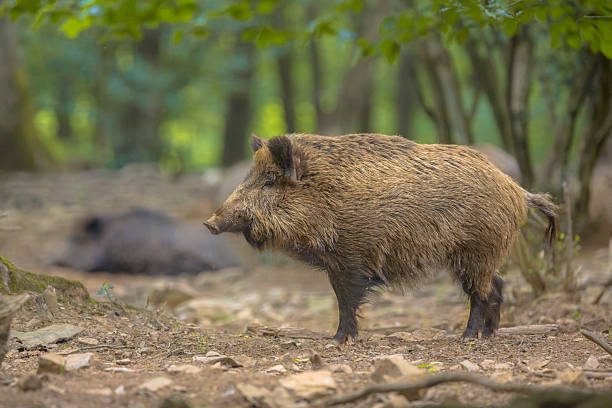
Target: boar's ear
x=288, y=157
x=256, y=142
x=93, y=226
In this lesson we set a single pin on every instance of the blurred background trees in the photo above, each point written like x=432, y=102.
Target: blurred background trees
x=183, y=83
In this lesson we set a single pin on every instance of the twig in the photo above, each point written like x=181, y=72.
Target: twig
x=443, y=379
x=99, y=346
x=529, y=329
x=598, y=374
x=608, y=284
x=597, y=340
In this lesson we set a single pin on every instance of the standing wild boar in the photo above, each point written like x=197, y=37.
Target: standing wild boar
x=376, y=210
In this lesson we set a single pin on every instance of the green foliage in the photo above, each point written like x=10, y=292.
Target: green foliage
x=577, y=23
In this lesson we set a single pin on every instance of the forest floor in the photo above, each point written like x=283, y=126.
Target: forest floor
x=163, y=341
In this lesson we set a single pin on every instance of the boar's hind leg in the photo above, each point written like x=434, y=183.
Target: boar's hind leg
x=351, y=289
x=484, y=314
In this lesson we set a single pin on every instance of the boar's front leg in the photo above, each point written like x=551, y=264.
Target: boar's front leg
x=350, y=289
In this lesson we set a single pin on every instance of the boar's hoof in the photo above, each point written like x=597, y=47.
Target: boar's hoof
x=469, y=334
x=342, y=339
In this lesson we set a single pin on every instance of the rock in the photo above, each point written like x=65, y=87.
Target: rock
x=253, y=394
x=310, y=384
x=51, y=363
x=537, y=364
x=394, y=368
x=592, y=363
x=120, y=390
x=56, y=389
x=221, y=360
x=397, y=401
x=469, y=366
x=277, y=369
x=88, y=341
x=76, y=361
x=30, y=382
x=341, y=368
x=8, y=307
x=572, y=376
x=156, y=384
x=212, y=354
x=124, y=361
x=315, y=360
x=487, y=364
x=50, y=298
x=45, y=336
x=175, y=400
x=424, y=334
x=184, y=368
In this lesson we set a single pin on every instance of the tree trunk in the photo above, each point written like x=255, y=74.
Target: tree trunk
x=139, y=121
x=317, y=86
x=405, y=95
x=63, y=109
x=556, y=166
x=285, y=65
x=517, y=91
x=238, y=113
x=595, y=137
x=17, y=133
x=446, y=86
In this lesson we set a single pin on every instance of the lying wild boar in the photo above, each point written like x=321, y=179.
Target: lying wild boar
x=375, y=210
x=143, y=241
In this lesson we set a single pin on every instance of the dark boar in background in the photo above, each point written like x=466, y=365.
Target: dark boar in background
x=143, y=241
x=375, y=210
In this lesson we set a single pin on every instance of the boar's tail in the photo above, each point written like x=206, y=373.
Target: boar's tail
x=544, y=203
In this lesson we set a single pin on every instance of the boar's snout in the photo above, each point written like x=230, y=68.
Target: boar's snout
x=212, y=227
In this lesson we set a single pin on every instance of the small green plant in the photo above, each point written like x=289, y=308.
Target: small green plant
x=201, y=342
x=106, y=290
x=576, y=315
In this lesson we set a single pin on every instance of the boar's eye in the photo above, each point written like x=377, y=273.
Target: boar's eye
x=268, y=183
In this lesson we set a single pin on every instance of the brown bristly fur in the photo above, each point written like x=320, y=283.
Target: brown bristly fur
x=377, y=210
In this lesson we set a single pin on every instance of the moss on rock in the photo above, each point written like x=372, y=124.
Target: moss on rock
x=14, y=280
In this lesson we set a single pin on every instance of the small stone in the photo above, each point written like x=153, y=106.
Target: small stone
x=76, y=361
x=184, y=368
x=30, y=382
x=537, y=364
x=212, y=354
x=487, y=364
x=310, y=384
x=50, y=297
x=119, y=369
x=156, y=384
x=51, y=363
x=424, y=334
x=56, y=389
x=394, y=368
x=252, y=393
x=502, y=366
x=315, y=360
x=469, y=366
x=124, y=361
x=175, y=400
x=277, y=369
x=221, y=360
x=120, y=390
x=341, y=368
x=88, y=341
x=592, y=363
x=103, y=392
x=45, y=336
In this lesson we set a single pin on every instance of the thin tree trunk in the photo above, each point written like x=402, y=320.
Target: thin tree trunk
x=285, y=65
x=17, y=133
x=556, y=166
x=405, y=95
x=446, y=85
x=63, y=109
x=317, y=86
x=517, y=90
x=238, y=113
x=596, y=135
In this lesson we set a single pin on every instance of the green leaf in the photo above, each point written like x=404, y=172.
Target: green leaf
x=573, y=40
x=266, y=6
x=390, y=49
x=200, y=31
x=240, y=11
x=177, y=36
x=350, y=5
x=74, y=25
x=510, y=27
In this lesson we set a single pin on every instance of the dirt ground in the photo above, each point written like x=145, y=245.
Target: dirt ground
x=273, y=319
